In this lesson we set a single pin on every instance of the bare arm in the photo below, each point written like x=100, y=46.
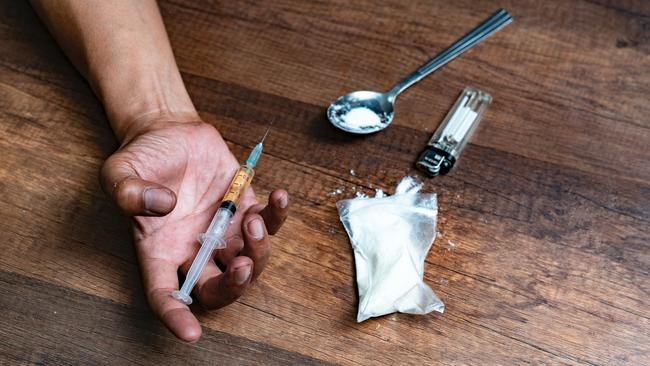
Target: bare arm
x=172, y=168
x=122, y=48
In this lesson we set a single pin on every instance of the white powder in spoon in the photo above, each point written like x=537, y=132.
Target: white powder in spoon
x=360, y=117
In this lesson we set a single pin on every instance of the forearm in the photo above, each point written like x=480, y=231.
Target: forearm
x=122, y=48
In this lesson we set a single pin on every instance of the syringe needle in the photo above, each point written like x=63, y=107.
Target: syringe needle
x=266, y=133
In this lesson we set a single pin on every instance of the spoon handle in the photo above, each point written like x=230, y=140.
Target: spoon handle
x=489, y=26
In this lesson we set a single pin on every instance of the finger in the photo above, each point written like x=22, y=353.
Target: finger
x=135, y=196
x=223, y=289
x=276, y=212
x=160, y=279
x=257, y=244
x=247, y=200
x=234, y=245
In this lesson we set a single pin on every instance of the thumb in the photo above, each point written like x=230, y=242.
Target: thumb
x=133, y=195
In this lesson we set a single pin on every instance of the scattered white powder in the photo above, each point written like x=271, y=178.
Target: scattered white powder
x=337, y=191
x=406, y=185
x=352, y=173
x=360, y=117
x=450, y=245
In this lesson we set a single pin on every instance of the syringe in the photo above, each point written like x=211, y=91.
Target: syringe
x=213, y=238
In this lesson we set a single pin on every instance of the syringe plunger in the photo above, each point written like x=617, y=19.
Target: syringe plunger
x=210, y=241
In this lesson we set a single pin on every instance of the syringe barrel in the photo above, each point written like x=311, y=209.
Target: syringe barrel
x=217, y=229
x=237, y=188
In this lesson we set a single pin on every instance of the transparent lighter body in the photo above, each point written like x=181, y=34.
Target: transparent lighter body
x=450, y=138
x=461, y=120
x=213, y=238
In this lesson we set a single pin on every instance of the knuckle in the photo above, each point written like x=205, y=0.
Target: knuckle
x=127, y=196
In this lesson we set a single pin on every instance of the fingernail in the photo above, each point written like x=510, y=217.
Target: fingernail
x=283, y=202
x=242, y=274
x=256, y=229
x=158, y=200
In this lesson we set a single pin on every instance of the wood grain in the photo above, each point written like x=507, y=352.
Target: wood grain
x=30, y=303
x=548, y=208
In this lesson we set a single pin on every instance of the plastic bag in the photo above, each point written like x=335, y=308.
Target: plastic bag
x=391, y=236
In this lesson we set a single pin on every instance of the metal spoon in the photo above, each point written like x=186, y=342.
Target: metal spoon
x=365, y=112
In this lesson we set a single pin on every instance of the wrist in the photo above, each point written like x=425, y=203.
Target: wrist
x=142, y=96
x=154, y=120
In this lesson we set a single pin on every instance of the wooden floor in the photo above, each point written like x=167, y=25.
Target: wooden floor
x=549, y=207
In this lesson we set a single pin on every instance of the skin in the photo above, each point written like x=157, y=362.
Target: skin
x=171, y=169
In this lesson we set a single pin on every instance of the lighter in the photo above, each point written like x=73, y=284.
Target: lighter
x=451, y=137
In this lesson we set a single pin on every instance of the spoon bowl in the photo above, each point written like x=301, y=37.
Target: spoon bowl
x=362, y=112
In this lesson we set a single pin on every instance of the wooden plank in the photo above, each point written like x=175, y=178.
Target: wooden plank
x=557, y=87
x=550, y=263
x=270, y=173
x=47, y=324
x=101, y=262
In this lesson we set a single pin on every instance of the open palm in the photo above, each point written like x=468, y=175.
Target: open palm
x=171, y=178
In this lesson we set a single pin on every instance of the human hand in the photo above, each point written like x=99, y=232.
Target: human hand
x=172, y=169
x=170, y=175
